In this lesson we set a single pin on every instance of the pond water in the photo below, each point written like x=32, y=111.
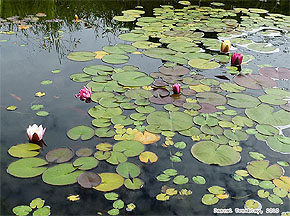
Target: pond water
x=221, y=126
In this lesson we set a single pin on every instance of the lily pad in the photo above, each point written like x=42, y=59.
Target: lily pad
x=128, y=170
x=132, y=79
x=211, y=153
x=209, y=199
x=116, y=158
x=203, y=64
x=134, y=183
x=199, y=179
x=89, y=179
x=110, y=182
x=180, y=179
x=61, y=174
x=24, y=150
x=242, y=100
x=60, y=155
x=27, y=167
x=86, y=163
x=173, y=121
x=115, y=59
x=254, y=81
x=83, y=132
x=81, y=56
x=21, y=210
x=211, y=98
x=261, y=170
x=130, y=148
x=279, y=143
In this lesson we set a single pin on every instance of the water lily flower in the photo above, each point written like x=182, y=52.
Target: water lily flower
x=225, y=46
x=85, y=94
x=176, y=88
x=237, y=59
x=35, y=133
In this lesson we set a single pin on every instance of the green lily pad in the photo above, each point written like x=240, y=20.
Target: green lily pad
x=42, y=113
x=266, y=185
x=80, y=77
x=45, y=82
x=130, y=148
x=134, y=183
x=61, y=174
x=242, y=100
x=128, y=170
x=203, y=64
x=113, y=211
x=122, y=119
x=211, y=98
x=37, y=202
x=59, y=155
x=105, y=132
x=279, y=143
x=237, y=135
x=273, y=198
x=261, y=170
x=199, y=179
x=44, y=211
x=145, y=109
x=124, y=18
x=216, y=190
x=115, y=59
x=263, y=194
x=133, y=37
x=180, y=179
x=211, y=153
x=102, y=112
x=132, y=79
x=111, y=196
x=27, y=167
x=173, y=121
x=264, y=114
x=253, y=181
x=170, y=172
x=209, y=199
x=83, y=132
x=37, y=107
x=231, y=87
x=102, y=155
x=180, y=145
x=24, y=150
x=268, y=130
x=110, y=181
x=138, y=94
x=257, y=155
x=116, y=158
x=21, y=210
x=86, y=163
x=163, y=178
x=81, y=56
x=118, y=204
x=97, y=69
x=262, y=47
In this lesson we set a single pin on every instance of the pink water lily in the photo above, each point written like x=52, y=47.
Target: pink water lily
x=35, y=133
x=237, y=59
x=225, y=46
x=85, y=94
x=176, y=88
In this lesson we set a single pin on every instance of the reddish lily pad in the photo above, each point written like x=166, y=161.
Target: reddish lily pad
x=161, y=100
x=254, y=81
x=207, y=108
x=174, y=71
x=59, y=155
x=89, y=179
x=211, y=98
x=276, y=73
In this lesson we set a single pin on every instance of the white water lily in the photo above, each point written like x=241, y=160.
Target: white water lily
x=35, y=133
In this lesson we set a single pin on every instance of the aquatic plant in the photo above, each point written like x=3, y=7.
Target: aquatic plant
x=35, y=133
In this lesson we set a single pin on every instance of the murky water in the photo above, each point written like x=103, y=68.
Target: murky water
x=27, y=58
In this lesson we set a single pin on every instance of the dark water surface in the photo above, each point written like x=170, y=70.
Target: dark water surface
x=24, y=67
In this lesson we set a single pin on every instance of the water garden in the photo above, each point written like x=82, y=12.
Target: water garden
x=145, y=107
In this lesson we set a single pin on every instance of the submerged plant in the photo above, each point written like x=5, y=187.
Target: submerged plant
x=85, y=94
x=35, y=133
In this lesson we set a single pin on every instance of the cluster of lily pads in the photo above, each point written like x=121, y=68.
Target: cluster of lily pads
x=135, y=107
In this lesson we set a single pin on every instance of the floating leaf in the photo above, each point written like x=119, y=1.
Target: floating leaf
x=128, y=170
x=37, y=203
x=209, y=199
x=37, y=107
x=263, y=193
x=115, y=59
x=81, y=56
x=253, y=181
x=110, y=181
x=56, y=71
x=89, y=179
x=146, y=138
x=279, y=143
x=116, y=158
x=148, y=156
x=42, y=113
x=83, y=132
x=59, y=155
x=27, y=167
x=11, y=108
x=261, y=170
x=130, y=148
x=84, y=152
x=134, y=183
x=203, y=64
x=242, y=100
x=211, y=153
x=266, y=185
x=216, y=190
x=21, y=210
x=199, y=179
x=101, y=155
x=283, y=182
x=180, y=179
x=162, y=197
x=111, y=196
x=45, y=82
x=132, y=79
x=24, y=150
x=118, y=204
x=61, y=174
x=86, y=163
x=275, y=199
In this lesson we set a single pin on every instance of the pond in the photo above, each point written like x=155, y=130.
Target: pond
x=189, y=112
